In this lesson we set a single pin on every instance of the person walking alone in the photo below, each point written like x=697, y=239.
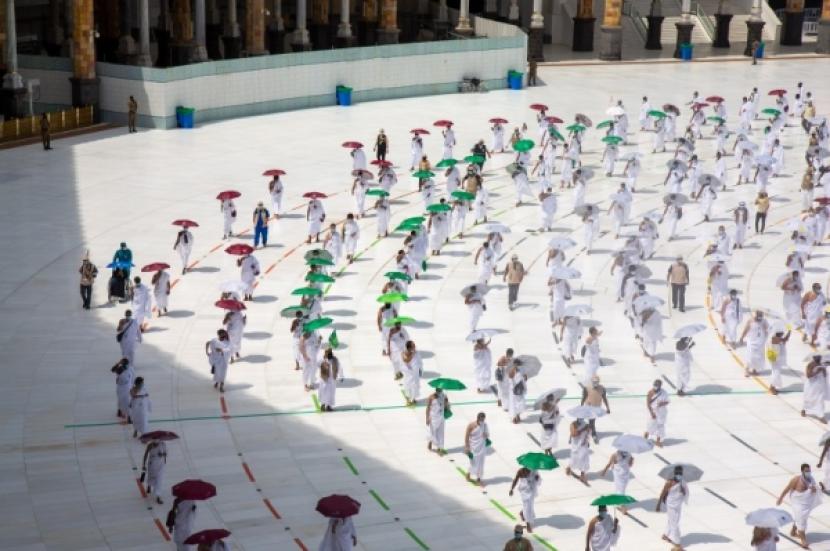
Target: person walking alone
x=678, y=278
x=132, y=112
x=88, y=273
x=514, y=273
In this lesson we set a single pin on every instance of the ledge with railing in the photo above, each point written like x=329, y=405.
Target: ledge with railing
x=706, y=20
x=59, y=121
x=633, y=13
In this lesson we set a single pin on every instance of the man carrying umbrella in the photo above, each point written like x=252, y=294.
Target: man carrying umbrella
x=438, y=406
x=475, y=446
x=152, y=467
x=603, y=531
x=161, y=289
x=183, y=515
x=184, y=246
x=528, y=482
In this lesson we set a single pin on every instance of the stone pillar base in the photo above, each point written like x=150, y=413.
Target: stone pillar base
x=276, y=40
x=722, y=21
x=754, y=30
x=86, y=91
x=583, y=34
x=13, y=103
x=345, y=41
x=213, y=38
x=199, y=54
x=466, y=31
x=442, y=29
x=684, y=35
x=610, y=43
x=655, y=28
x=388, y=36
x=319, y=35
x=823, y=38
x=536, y=44
x=791, y=28
x=163, y=58
x=233, y=46
x=143, y=60
x=183, y=54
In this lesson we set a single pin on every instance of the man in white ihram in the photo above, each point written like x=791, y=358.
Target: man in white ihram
x=437, y=405
x=528, y=482
x=657, y=401
x=128, y=335
x=340, y=535
x=142, y=303
x=475, y=446
x=249, y=267
x=603, y=531
x=675, y=493
x=804, y=497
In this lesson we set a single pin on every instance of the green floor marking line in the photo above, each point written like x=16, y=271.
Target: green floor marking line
x=417, y=540
x=379, y=500
x=316, y=402
x=350, y=465
x=461, y=471
x=544, y=542
x=502, y=508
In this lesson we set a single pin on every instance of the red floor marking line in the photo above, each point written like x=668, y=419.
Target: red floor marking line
x=224, y=407
x=219, y=246
x=162, y=529
x=248, y=472
x=300, y=544
x=141, y=488
x=271, y=508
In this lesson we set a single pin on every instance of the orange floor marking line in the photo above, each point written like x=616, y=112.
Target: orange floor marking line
x=141, y=487
x=162, y=529
x=271, y=508
x=248, y=472
x=300, y=544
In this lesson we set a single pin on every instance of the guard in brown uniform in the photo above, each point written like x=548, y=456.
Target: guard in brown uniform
x=45, y=135
x=132, y=112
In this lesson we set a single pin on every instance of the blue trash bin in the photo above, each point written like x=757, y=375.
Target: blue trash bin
x=759, y=52
x=686, y=51
x=514, y=80
x=185, y=116
x=343, y=95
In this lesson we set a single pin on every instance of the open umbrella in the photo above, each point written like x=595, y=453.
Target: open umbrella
x=698, y=105
x=715, y=99
x=766, y=160
x=390, y=298
x=291, y=311
x=718, y=257
x=614, y=111
x=495, y=227
x=442, y=122
x=274, y=172
x=498, y=120
x=824, y=438
x=401, y=276
x=674, y=164
x=777, y=92
x=230, y=304
x=358, y=172
x=319, y=323
x=536, y=461
x=554, y=133
x=656, y=114
x=419, y=131
x=338, y=506
x=822, y=200
x=557, y=393
x=613, y=500
x=446, y=163
x=239, y=249
x=229, y=194
x=771, y=111
x=403, y=320
x=439, y=207
x=613, y=140
x=565, y=272
x=381, y=163
x=561, y=243
x=689, y=330
x=538, y=106
x=632, y=443
x=553, y=120
x=403, y=226
x=478, y=288
x=155, y=267
x=463, y=195
x=415, y=220
x=586, y=412
x=605, y=124
x=319, y=262
x=194, y=489
x=671, y=107
x=690, y=472
x=377, y=192
x=316, y=277
x=578, y=310
x=575, y=127
x=161, y=435
x=584, y=209
x=185, y=223
x=423, y=174
x=523, y=145
x=715, y=118
x=307, y=292
x=318, y=253
x=445, y=383
x=483, y=334
x=474, y=159
x=314, y=195
x=675, y=199
x=352, y=145
x=816, y=151
x=583, y=119
x=710, y=180
x=769, y=517
x=531, y=366
x=207, y=537
x=746, y=145
x=647, y=301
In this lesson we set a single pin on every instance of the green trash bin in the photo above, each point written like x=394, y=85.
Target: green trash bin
x=185, y=116
x=343, y=95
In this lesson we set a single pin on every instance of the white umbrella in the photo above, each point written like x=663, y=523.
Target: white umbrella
x=620, y=197
x=818, y=120
x=690, y=472
x=769, y=517
x=647, y=301
x=530, y=365
x=824, y=438
x=803, y=248
x=586, y=412
x=615, y=111
x=764, y=160
x=675, y=198
x=782, y=278
x=478, y=288
x=561, y=243
x=718, y=257
x=746, y=145
x=578, y=310
x=825, y=358
x=653, y=215
x=710, y=180
x=674, y=164
x=632, y=443
x=565, y=272
x=584, y=173
x=558, y=394
x=233, y=286
x=780, y=326
x=631, y=156
x=689, y=330
x=495, y=227
x=483, y=334
x=642, y=271
x=582, y=210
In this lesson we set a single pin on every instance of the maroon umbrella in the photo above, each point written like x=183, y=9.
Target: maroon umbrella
x=699, y=105
x=185, y=223
x=538, y=106
x=498, y=120
x=442, y=122
x=419, y=131
x=338, y=506
x=777, y=92
x=230, y=304
x=207, y=536
x=584, y=120
x=362, y=172
x=381, y=163
x=314, y=195
x=155, y=267
x=274, y=172
x=824, y=201
x=158, y=435
x=553, y=120
x=715, y=99
x=229, y=194
x=194, y=489
x=352, y=145
x=239, y=249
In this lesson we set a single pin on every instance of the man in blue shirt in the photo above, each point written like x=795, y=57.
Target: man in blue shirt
x=124, y=257
x=261, y=216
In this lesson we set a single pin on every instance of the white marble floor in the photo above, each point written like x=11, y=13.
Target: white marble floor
x=68, y=469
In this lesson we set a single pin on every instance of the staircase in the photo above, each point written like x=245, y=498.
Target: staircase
x=668, y=34
x=737, y=27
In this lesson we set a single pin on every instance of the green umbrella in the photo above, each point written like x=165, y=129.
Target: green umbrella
x=416, y=220
x=291, y=311
x=445, y=383
x=463, y=195
x=307, y=291
x=317, y=253
x=392, y=297
x=575, y=128
x=446, y=163
x=408, y=227
x=555, y=133
x=474, y=159
x=319, y=262
x=771, y=111
x=613, y=499
x=423, y=174
x=398, y=275
x=523, y=145
x=403, y=320
x=716, y=119
x=315, y=277
x=656, y=114
x=613, y=140
x=439, y=207
x=319, y=323
x=605, y=123
x=334, y=342
x=538, y=461
x=378, y=192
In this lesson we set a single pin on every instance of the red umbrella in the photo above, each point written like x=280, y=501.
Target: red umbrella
x=155, y=267
x=158, y=435
x=207, y=536
x=314, y=195
x=823, y=201
x=362, y=172
x=230, y=304
x=442, y=122
x=194, y=489
x=538, y=106
x=715, y=99
x=274, y=172
x=230, y=194
x=777, y=92
x=553, y=120
x=699, y=105
x=498, y=120
x=338, y=506
x=185, y=223
x=352, y=145
x=380, y=162
x=419, y=131
x=240, y=249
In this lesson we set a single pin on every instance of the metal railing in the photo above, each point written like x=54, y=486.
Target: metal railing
x=706, y=21
x=810, y=25
x=27, y=127
x=633, y=13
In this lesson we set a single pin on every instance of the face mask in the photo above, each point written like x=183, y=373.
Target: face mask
x=807, y=476
x=678, y=477
x=602, y=515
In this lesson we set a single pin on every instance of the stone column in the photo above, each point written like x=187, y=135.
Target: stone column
x=199, y=53
x=255, y=27
x=319, y=23
x=754, y=27
x=213, y=30
x=12, y=94
x=491, y=9
x=85, y=83
x=66, y=47
x=722, y=22
x=684, y=27
x=300, y=40
x=388, y=31
x=823, y=39
x=442, y=22
x=610, y=35
x=54, y=34
x=276, y=28
x=182, y=34
x=536, y=37
x=655, y=25
x=164, y=28
x=583, y=38
x=143, y=58
x=463, y=26
x=232, y=38
x=127, y=49
x=367, y=24
x=344, y=29
x=513, y=11
x=793, y=23
x=2, y=38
